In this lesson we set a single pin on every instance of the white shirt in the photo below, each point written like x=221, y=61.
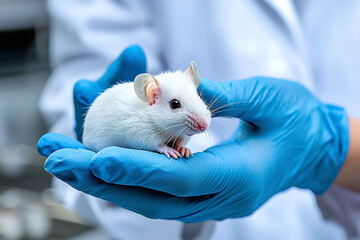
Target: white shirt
x=315, y=43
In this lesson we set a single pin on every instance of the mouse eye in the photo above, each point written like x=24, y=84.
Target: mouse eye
x=175, y=104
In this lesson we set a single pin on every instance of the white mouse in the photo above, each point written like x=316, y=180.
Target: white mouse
x=154, y=113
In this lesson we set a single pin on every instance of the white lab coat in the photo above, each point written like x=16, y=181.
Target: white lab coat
x=316, y=43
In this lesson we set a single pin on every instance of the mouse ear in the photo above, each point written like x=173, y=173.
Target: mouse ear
x=146, y=87
x=193, y=72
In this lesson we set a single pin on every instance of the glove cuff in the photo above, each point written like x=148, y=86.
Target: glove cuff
x=332, y=156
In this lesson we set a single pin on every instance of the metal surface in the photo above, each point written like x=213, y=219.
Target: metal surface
x=28, y=209
x=22, y=14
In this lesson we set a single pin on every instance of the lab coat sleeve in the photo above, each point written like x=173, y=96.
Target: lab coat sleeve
x=341, y=206
x=86, y=36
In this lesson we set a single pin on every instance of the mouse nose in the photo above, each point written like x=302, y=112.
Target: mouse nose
x=202, y=126
x=199, y=123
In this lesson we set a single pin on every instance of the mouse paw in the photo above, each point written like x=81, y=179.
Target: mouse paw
x=169, y=152
x=184, y=151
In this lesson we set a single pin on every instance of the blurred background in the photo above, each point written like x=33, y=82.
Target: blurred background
x=28, y=209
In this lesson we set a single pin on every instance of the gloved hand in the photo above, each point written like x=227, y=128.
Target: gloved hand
x=298, y=141
x=125, y=68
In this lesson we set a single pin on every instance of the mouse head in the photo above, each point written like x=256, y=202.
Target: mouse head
x=175, y=104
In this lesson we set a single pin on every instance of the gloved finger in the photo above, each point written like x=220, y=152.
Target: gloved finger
x=198, y=175
x=85, y=92
x=52, y=142
x=125, y=68
x=253, y=100
x=229, y=98
x=72, y=167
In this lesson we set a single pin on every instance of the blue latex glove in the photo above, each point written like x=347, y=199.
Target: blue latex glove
x=125, y=68
x=298, y=141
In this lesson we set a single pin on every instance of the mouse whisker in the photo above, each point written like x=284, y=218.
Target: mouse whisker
x=224, y=106
x=226, y=110
x=207, y=135
x=158, y=133
x=178, y=135
x=243, y=129
x=213, y=105
x=170, y=137
x=202, y=90
x=175, y=136
x=216, y=110
x=216, y=99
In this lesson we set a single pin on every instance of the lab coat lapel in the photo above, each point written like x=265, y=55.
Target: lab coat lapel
x=287, y=12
